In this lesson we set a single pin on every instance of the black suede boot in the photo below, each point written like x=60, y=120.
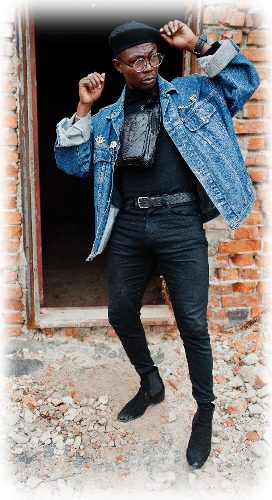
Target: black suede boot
x=199, y=446
x=151, y=392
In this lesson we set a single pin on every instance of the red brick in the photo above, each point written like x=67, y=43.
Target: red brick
x=10, y=232
x=71, y=332
x=257, y=55
x=111, y=332
x=6, y=30
x=8, y=139
x=257, y=174
x=258, y=160
x=253, y=111
x=9, y=156
x=234, y=18
x=239, y=246
x=263, y=73
x=6, y=48
x=216, y=315
x=11, y=331
x=8, y=261
x=8, y=188
x=220, y=289
x=244, y=287
x=255, y=311
x=249, y=274
x=213, y=302
x=7, y=65
x=8, y=103
x=8, y=121
x=11, y=218
x=220, y=379
x=236, y=36
x=242, y=260
x=236, y=408
x=13, y=318
x=246, y=4
x=264, y=287
x=9, y=276
x=266, y=206
x=239, y=347
x=267, y=247
x=12, y=305
x=8, y=246
x=254, y=219
x=207, y=17
x=7, y=171
x=11, y=293
x=228, y=274
x=223, y=261
x=9, y=202
x=242, y=300
x=252, y=127
x=265, y=232
x=6, y=85
x=252, y=21
x=258, y=38
x=268, y=20
x=256, y=205
x=264, y=93
x=262, y=260
x=245, y=233
x=263, y=192
x=256, y=143
x=211, y=38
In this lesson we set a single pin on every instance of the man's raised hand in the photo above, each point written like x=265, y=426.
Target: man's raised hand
x=179, y=35
x=90, y=89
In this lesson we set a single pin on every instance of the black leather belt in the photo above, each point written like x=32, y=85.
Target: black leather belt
x=159, y=201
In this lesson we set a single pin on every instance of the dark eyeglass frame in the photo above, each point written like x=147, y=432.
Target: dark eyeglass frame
x=146, y=61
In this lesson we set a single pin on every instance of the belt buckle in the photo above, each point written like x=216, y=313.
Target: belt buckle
x=140, y=201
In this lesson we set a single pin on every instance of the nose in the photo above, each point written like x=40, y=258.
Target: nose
x=148, y=66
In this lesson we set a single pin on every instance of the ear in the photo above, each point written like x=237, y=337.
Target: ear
x=118, y=65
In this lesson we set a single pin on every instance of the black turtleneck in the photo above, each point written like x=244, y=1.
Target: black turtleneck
x=170, y=173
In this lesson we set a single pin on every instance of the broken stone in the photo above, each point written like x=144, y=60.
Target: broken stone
x=45, y=436
x=43, y=492
x=28, y=416
x=255, y=409
x=161, y=481
x=103, y=400
x=33, y=481
x=236, y=381
x=68, y=400
x=172, y=416
x=259, y=449
x=11, y=418
x=18, y=438
x=17, y=396
x=237, y=408
x=19, y=451
x=264, y=391
x=77, y=442
x=250, y=359
x=71, y=414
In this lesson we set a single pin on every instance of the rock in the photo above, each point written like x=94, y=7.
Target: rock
x=264, y=391
x=60, y=445
x=252, y=436
x=255, y=409
x=67, y=492
x=11, y=418
x=102, y=421
x=43, y=492
x=28, y=416
x=172, y=416
x=69, y=441
x=259, y=449
x=71, y=414
x=56, y=366
x=45, y=436
x=56, y=402
x=267, y=435
x=57, y=439
x=19, y=451
x=236, y=408
x=17, y=396
x=18, y=438
x=77, y=442
x=68, y=400
x=33, y=481
x=161, y=481
x=257, y=376
x=251, y=359
x=236, y=381
x=12, y=493
x=103, y=400
x=191, y=478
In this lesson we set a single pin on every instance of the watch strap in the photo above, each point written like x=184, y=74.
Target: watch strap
x=201, y=40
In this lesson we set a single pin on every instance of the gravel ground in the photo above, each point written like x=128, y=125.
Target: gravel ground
x=60, y=438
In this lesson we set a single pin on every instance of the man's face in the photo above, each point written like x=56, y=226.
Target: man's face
x=147, y=78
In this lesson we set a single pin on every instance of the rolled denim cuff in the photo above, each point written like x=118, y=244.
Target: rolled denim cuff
x=213, y=64
x=74, y=134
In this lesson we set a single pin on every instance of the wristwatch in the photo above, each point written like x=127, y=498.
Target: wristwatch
x=201, y=40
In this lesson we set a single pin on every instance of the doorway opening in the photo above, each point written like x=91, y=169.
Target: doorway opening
x=67, y=50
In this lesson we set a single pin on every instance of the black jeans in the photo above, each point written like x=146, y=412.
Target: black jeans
x=172, y=237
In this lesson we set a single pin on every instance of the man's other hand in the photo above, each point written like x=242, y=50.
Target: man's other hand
x=90, y=89
x=180, y=36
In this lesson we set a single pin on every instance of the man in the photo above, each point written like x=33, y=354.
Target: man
x=155, y=215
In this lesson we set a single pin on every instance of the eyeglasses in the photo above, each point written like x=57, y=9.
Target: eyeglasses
x=141, y=63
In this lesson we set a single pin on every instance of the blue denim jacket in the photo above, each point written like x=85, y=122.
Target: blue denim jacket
x=197, y=113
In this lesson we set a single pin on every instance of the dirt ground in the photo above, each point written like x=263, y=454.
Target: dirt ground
x=60, y=437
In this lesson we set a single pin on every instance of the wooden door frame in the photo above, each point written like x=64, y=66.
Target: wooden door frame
x=37, y=316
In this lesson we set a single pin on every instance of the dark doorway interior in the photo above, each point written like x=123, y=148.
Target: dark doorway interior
x=67, y=50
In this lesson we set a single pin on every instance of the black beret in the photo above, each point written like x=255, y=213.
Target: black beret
x=131, y=34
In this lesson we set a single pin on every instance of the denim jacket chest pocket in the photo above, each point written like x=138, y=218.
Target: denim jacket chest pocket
x=203, y=122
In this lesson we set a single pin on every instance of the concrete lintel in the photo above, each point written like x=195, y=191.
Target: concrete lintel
x=7, y=14
x=82, y=317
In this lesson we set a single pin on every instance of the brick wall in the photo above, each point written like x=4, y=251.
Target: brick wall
x=239, y=259
x=10, y=219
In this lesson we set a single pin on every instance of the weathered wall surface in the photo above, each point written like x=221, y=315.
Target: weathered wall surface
x=239, y=259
